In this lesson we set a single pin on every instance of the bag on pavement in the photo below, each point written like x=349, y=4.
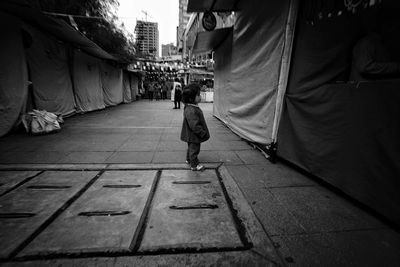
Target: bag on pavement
x=41, y=122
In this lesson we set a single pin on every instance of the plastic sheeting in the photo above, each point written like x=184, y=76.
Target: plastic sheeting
x=127, y=94
x=249, y=99
x=87, y=82
x=111, y=78
x=48, y=64
x=13, y=73
x=344, y=133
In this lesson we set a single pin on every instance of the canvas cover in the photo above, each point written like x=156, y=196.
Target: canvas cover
x=127, y=94
x=134, y=85
x=13, y=73
x=111, y=78
x=50, y=75
x=343, y=132
x=222, y=72
x=87, y=82
x=249, y=98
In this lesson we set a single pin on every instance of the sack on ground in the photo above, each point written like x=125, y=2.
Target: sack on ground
x=41, y=122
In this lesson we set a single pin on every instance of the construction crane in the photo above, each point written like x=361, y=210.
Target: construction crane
x=146, y=14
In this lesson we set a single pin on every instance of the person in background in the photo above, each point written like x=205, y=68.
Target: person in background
x=177, y=97
x=372, y=60
x=151, y=91
x=194, y=127
x=157, y=91
x=164, y=90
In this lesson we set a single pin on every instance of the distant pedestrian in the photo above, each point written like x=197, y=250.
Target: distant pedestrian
x=157, y=91
x=151, y=91
x=164, y=91
x=177, y=97
x=194, y=127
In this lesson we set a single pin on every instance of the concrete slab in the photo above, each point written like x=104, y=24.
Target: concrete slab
x=80, y=167
x=355, y=248
x=189, y=211
x=232, y=258
x=255, y=231
x=86, y=157
x=26, y=208
x=230, y=145
x=171, y=146
x=31, y=157
x=131, y=157
x=270, y=211
x=104, y=219
x=138, y=145
x=271, y=175
x=319, y=210
x=170, y=157
x=157, y=166
x=10, y=179
x=227, y=157
x=252, y=156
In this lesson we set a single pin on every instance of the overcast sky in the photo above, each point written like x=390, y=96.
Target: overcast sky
x=165, y=12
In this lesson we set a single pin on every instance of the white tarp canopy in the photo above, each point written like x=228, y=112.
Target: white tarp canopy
x=49, y=71
x=134, y=85
x=127, y=88
x=111, y=78
x=247, y=74
x=13, y=73
x=87, y=82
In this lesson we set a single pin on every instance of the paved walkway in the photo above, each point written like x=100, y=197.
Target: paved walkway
x=307, y=224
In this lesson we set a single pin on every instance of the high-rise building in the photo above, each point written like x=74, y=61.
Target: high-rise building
x=147, y=38
x=183, y=20
x=168, y=50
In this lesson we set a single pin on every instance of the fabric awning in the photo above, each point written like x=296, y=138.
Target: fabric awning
x=57, y=27
x=200, y=72
x=208, y=41
x=211, y=5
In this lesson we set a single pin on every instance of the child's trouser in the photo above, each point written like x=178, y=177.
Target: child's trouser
x=192, y=153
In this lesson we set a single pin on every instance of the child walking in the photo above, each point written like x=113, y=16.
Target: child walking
x=194, y=127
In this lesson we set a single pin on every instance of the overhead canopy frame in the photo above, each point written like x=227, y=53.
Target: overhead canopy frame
x=56, y=27
x=211, y=5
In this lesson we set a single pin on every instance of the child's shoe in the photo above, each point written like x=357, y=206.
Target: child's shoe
x=198, y=168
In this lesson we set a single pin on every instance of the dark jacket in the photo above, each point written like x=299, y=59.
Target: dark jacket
x=194, y=127
x=178, y=95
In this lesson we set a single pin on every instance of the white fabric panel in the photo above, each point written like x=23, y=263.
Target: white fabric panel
x=258, y=41
x=134, y=85
x=48, y=64
x=87, y=82
x=111, y=78
x=127, y=95
x=13, y=73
